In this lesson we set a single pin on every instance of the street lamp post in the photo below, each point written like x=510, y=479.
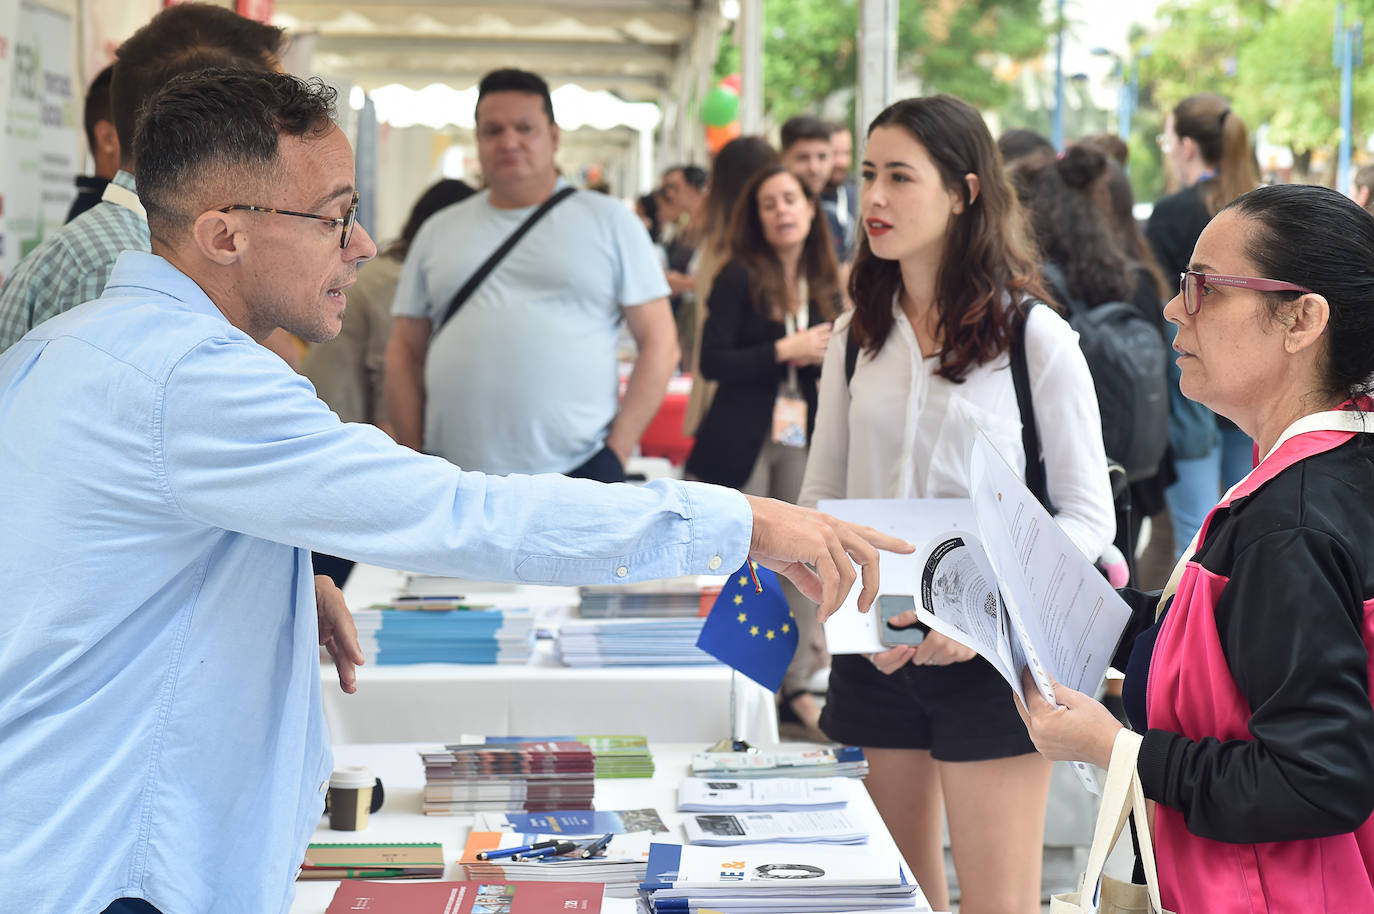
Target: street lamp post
x=1347, y=52
x=1057, y=129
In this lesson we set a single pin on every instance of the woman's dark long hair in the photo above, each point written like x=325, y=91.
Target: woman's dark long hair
x=987, y=252
x=734, y=165
x=767, y=284
x=1066, y=199
x=438, y=195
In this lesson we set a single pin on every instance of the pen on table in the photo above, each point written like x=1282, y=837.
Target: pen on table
x=596, y=847
x=496, y=853
x=559, y=847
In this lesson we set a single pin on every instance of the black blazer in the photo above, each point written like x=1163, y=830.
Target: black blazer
x=737, y=351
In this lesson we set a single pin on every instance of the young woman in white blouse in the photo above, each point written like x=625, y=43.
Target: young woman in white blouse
x=942, y=277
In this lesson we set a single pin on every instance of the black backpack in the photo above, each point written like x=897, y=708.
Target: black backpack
x=1129, y=361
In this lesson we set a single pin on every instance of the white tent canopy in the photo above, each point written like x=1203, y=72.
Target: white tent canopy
x=438, y=105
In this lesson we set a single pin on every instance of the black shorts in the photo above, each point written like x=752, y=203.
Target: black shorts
x=963, y=712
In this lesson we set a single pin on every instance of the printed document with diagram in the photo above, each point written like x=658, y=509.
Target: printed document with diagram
x=1014, y=588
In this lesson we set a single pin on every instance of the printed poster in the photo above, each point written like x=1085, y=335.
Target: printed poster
x=42, y=144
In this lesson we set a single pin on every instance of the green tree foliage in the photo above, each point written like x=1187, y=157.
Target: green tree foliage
x=1271, y=58
x=1288, y=79
x=958, y=45
x=811, y=51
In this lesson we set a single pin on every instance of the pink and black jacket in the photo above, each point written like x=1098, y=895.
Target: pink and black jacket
x=1260, y=747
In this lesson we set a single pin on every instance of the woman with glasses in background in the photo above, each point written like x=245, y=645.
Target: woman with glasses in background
x=1250, y=681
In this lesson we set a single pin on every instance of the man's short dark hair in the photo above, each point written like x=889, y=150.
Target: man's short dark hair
x=1019, y=143
x=97, y=103
x=804, y=127
x=216, y=121
x=693, y=175
x=154, y=54
x=511, y=80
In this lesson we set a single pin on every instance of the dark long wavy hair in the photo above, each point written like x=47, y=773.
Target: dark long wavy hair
x=767, y=284
x=987, y=254
x=1066, y=199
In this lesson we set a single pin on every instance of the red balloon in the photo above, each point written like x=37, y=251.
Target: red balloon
x=717, y=137
x=733, y=82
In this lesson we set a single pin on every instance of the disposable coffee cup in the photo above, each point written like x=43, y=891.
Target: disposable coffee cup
x=350, y=797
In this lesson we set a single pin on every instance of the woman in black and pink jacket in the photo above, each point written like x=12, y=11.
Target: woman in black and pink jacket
x=1251, y=686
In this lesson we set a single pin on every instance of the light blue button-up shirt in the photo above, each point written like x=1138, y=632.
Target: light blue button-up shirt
x=162, y=479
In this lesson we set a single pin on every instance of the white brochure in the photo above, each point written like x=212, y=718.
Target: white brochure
x=762, y=794
x=1011, y=585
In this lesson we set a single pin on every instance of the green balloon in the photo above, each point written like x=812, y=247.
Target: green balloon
x=720, y=107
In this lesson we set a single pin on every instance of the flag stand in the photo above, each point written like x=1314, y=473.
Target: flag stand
x=731, y=743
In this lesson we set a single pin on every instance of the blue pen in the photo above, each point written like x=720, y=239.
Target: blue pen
x=559, y=847
x=595, y=847
x=497, y=853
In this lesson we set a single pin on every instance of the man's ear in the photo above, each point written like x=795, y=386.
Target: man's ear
x=1305, y=321
x=556, y=134
x=106, y=142
x=217, y=237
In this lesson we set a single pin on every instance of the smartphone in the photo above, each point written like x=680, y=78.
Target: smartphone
x=891, y=606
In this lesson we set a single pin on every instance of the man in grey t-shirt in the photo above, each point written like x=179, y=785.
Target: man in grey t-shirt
x=523, y=378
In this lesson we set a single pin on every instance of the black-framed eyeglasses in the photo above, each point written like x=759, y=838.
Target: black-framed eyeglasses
x=1190, y=283
x=345, y=223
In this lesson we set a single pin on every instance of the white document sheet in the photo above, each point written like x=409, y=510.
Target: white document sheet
x=762, y=794
x=916, y=520
x=1065, y=618
x=995, y=573
x=724, y=829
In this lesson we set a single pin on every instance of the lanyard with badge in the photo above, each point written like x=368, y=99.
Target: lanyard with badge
x=789, y=409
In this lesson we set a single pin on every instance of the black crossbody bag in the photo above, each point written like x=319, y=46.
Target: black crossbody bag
x=477, y=278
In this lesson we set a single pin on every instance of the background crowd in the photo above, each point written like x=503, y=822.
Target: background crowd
x=847, y=309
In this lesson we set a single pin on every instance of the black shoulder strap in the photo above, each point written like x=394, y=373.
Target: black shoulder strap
x=500, y=253
x=851, y=355
x=1030, y=435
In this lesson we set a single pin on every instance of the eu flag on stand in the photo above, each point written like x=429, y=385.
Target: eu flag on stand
x=751, y=630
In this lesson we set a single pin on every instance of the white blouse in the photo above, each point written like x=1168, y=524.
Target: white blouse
x=899, y=430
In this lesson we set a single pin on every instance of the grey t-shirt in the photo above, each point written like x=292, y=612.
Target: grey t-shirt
x=523, y=379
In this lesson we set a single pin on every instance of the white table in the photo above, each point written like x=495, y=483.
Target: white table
x=429, y=701
x=400, y=818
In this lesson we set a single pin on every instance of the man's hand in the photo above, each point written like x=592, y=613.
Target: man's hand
x=337, y=632
x=787, y=539
x=1080, y=729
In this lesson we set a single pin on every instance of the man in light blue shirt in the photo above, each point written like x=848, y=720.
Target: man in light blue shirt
x=164, y=478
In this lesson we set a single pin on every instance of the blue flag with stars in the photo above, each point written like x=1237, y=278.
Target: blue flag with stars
x=751, y=630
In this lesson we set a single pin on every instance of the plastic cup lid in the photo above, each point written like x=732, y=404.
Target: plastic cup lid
x=354, y=776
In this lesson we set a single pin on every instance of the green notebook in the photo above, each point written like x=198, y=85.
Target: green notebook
x=373, y=861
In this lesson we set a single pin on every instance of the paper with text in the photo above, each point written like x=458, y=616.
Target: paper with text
x=915, y=520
